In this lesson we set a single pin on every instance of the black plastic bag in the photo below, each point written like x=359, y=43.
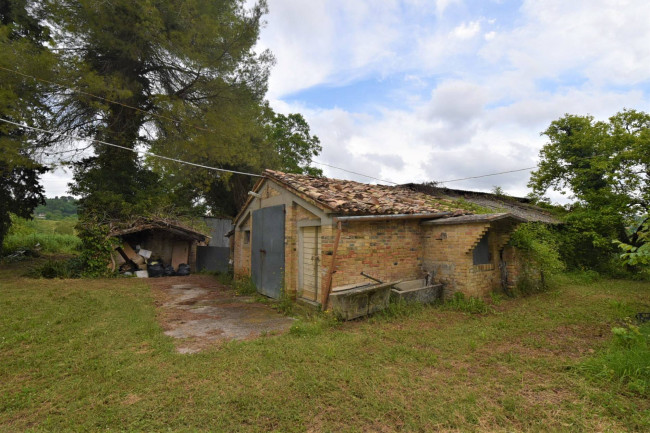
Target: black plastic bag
x=183, y=270
x=169, y=271
x=155, y=269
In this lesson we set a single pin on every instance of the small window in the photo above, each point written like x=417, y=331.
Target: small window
x=247, y=236
x=482, y=252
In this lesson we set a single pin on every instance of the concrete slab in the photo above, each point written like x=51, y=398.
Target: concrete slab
x=200, y=312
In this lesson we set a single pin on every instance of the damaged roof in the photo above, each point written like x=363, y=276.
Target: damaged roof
x=519, y=206
x=354, y=198
x=142, y=224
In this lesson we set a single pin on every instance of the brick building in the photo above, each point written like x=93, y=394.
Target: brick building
x=309, y=235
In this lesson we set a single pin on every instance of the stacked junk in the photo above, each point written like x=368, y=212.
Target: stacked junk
x=145, y=264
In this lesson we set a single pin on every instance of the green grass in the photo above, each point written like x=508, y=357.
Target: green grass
x=89, y=355
x=53, y=236
x=49, y=243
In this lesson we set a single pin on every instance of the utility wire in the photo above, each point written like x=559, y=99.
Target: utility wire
x=354, y=172
x=143, y=152
x=487, y=175
x=207, y=130
x=106, y=100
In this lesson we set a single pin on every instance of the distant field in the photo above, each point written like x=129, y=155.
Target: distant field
x=90, y=355
x=52, y=236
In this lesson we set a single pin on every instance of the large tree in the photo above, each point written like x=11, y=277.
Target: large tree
x=21, y=44
x=179, y=77
x=605, y=166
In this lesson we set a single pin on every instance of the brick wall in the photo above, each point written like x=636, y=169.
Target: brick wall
x=391, y=250
x=242, y=252
x=447, y=251
x=387, y=250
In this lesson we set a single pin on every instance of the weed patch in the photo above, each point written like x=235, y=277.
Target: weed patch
x=471, y=305
x=244, y=286
x=626, y=361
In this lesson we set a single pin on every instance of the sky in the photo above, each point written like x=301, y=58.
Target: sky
x=435, y=90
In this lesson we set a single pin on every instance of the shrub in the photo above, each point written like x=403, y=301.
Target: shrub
x=538, y=247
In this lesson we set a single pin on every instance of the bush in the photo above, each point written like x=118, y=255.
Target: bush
x=538, y=246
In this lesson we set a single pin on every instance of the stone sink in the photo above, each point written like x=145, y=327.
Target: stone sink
x=358, y=300
x=416, y=291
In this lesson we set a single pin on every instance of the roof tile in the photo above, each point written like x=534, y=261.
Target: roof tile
x=355, y=198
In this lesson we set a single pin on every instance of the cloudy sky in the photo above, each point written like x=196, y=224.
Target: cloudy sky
x=420, y=90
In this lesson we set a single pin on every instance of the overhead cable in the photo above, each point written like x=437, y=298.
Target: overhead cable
x=162, y=116
x=209, y=130
x=354, y=172
x=487, y=175
x=143, y=152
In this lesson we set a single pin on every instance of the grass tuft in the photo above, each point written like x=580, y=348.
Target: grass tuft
x=625, y=361
x=471, y=305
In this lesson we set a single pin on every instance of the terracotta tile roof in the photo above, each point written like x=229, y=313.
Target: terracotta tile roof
x=355, y=198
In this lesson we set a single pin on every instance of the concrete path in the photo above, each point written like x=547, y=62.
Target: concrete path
x=200, y=313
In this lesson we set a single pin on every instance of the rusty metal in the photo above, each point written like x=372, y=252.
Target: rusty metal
x=371, y=278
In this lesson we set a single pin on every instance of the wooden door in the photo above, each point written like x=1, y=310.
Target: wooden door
x=311, y=263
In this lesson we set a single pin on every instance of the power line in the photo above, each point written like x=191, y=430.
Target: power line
x=162, y=116
x=354, y=172
x=143, y=152
x=207, y=130
x=107, y=100
x=487, y=175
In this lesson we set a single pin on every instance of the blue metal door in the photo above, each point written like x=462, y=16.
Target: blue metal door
x=267, y=250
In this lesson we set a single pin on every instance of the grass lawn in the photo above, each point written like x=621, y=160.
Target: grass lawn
x=89, y=355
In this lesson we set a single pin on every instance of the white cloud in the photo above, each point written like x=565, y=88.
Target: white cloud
x=477, y=86
x=467, y=30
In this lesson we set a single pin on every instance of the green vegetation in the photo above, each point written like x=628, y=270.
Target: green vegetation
x=58, y=208
x=604, y=165
x=472, y=305
x=90, y=355
x=50, y=236
x=538, y=245
x=626, y=361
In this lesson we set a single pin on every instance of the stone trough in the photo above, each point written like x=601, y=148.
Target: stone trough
x=416, y=291
x=358, y=300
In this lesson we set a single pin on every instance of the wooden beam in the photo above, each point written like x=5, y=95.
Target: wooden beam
x=330, y=271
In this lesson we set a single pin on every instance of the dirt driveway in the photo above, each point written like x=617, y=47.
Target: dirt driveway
x=199, y=312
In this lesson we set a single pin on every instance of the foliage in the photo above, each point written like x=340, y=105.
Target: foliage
x=637, y=253
x=604, y=166
x=538, y=246
x=96, y=247
x=471, y=305
x=294, y=144
x=22, y=40
x=186, y=82
x=626, y=360
x=58, y=208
